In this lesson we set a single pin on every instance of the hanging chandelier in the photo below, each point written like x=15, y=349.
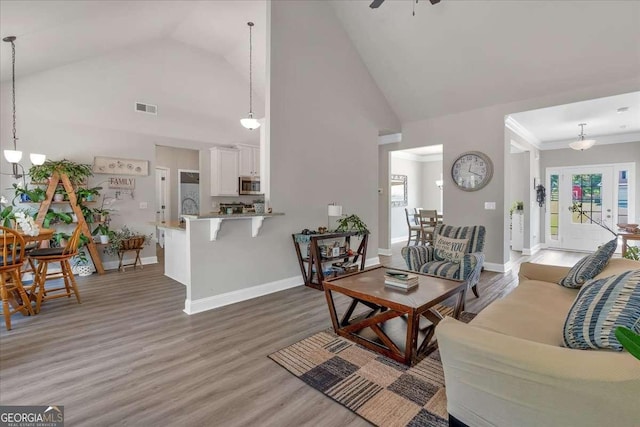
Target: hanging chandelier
x=14, y=156
x=249, y=122
x=582, y=144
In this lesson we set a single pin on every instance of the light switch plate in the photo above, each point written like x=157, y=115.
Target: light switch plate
x=490, y=205
x=143, y=205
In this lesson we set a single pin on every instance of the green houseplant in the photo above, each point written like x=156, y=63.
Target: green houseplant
x=126, y=239
x=77, y=172
x=629, y=340
x=24, y=194
x=352, y=223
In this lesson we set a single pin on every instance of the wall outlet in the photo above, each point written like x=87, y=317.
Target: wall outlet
x=490, y=206
x=143, y=205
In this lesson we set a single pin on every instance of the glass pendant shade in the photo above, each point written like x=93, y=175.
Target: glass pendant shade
x=250, y=123
x=582, y=144
x=13, y=156
x=37, y=159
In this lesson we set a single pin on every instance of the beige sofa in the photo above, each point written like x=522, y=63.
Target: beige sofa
x=507, y=367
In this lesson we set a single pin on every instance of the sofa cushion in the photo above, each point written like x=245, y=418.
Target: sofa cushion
x=534, y=310
x=590, y=266
x=449, y=249
x=600, y=307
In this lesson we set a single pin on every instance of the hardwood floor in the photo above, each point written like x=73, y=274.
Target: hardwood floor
x=128, y=355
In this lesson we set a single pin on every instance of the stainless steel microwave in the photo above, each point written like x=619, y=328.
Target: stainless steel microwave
x=250, y=185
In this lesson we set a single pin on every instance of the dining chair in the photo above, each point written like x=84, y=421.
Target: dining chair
x=11, y=260
x=428, y=221
x=414, y=229
x=44, y=257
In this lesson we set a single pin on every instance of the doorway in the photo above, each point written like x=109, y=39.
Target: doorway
x=605, y=196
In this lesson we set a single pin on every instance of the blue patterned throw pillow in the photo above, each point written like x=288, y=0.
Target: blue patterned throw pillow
x=600, y=307
x=590, y=266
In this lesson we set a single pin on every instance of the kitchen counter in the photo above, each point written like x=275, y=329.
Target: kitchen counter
x=170, y=225
x=233, y=216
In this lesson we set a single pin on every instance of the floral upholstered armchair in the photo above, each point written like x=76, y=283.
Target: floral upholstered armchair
x=428, y=260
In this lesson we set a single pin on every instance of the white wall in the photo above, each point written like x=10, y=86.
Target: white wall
x=431, y=194
x=325, y=114
x=415, y=182
x=174, y=159
x=483, y=129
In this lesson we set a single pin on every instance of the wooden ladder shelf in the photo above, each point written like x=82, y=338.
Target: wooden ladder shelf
x=73, y=201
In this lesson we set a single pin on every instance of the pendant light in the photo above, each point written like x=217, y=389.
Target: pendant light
x=582, y=144
x=14, y=156
x=249, y=122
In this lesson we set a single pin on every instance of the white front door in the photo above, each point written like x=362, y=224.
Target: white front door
x=591, y=188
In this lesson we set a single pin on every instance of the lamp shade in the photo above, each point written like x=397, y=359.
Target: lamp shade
x=334, y=210
x=37, y=159
x=13, y=156
x=582, y=144
x=250, y=123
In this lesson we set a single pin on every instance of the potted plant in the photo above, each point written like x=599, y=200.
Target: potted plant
x=87, y=194
x=81, y=263
x=51, y=217
x=352, y=223
x=103, y=232
x=258, y=206
x=59, y=240
x=77, y=172
x=7, y=216
x=59, y=194
x=126, y=239
x=24, y=194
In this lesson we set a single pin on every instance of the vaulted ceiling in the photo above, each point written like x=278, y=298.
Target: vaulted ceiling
x=461, y=55
x=57, y=32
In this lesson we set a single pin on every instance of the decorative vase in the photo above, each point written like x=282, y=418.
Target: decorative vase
x=58, y=197
x=104, y=239
x=258, y=208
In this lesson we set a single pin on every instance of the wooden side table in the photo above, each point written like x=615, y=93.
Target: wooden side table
x=628, y=236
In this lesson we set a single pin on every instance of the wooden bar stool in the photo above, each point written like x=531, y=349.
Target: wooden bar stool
x=11, y=260
x=45, y=256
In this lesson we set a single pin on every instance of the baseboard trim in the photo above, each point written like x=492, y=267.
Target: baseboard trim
x=370, y=262
x=531, y=251
x=216, y=301
x=399, y=239
x=498, y=268
x=113, y=265
x=384, y=252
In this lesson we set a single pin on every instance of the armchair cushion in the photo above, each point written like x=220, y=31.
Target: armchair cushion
x=449, y=249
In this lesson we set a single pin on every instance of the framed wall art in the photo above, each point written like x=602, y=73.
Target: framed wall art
x=399, y=194
x=117, y=166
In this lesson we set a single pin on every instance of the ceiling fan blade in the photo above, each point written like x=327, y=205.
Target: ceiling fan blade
x=376, y=4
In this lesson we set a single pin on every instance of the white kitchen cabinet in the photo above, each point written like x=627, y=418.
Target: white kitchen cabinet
x=249, y=160
x=224, y=171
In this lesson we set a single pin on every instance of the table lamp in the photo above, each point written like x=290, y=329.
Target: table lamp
x=333, y=210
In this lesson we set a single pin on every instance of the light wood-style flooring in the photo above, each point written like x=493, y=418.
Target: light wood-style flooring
x=128, y=355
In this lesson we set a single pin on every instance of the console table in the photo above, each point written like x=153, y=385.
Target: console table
x=627, y=236
x=311, y=265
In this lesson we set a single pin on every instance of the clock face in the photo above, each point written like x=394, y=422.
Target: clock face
x=472, y=170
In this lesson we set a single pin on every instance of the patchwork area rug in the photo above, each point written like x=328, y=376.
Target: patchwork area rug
x=382, y=391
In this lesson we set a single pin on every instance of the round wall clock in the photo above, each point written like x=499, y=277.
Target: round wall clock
x=472, y=170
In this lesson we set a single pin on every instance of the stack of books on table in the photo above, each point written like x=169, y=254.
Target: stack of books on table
x=401, y=279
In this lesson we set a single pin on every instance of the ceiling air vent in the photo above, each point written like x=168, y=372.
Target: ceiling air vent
x=146, y=108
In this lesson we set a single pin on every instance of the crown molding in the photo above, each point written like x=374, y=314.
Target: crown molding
x=513, y=125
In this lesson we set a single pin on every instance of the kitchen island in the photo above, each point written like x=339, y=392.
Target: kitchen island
x=183, y=243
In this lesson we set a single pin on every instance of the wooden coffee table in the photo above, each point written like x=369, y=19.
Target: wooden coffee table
x=398, y=324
